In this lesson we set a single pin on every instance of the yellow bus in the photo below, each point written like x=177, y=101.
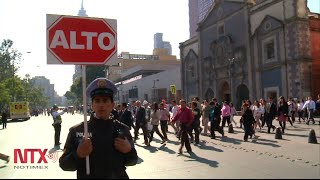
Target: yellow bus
x=19, y=110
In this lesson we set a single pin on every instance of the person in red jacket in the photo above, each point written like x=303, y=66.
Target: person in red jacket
x=185, y=116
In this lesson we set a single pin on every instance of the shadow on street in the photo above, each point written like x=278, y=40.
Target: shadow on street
x=196, y=158
x=166, y=149
x=149, y=148
x=203, y=145
x=266, y=142
x=139, y=160
x=17, y=120
x=230, y=140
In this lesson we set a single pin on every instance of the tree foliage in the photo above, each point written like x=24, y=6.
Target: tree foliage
x=12, y=87
x=75, y=93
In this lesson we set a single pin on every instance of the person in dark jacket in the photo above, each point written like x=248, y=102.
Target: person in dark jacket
x=141, y=122
x=4, y=118
x=196, y=123
x=126, y=116
x=270, y=114
x=282, y=112
x=248, y=122
x=109, y=144
x=215, y=118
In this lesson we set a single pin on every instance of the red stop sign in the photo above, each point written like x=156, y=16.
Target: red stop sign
x=81, y=40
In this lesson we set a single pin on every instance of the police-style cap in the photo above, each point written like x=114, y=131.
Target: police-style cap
x=101, y=87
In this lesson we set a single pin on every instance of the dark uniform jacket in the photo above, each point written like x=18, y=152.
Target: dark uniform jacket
x=126, y=118
x=4, y=116
x=248, y=119
x=105, y=161
x=273, y=110
x=283, y=108
x=141, y=115
x=196, y=120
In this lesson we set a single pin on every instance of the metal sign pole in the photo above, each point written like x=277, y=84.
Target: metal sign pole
x=84, y=95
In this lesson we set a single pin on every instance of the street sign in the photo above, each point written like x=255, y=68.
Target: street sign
x=173, y=89
x=81, y=40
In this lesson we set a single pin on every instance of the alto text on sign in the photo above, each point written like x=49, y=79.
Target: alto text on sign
x=80, y=40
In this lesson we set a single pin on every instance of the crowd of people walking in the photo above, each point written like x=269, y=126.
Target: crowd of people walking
x=190, y=119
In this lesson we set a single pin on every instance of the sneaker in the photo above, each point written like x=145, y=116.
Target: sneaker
x=189, y=151
x=180, y=151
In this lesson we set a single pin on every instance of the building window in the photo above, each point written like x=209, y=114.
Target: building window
x=221, y=30
x=192, y=71
x=269, y=48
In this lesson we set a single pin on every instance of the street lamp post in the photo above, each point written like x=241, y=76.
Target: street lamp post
x=231, y=63
x=154, y=89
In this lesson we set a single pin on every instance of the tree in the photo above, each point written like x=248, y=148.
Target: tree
x=71, y=98
x=75, y=93
x=13, y=87
x=5, y=96
x=8, y=58
x=94, y=72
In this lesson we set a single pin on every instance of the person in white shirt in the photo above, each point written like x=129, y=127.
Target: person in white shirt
x=233, y=112
x=300, y=111
x=56, y=124
x=310, y=105
x=155, y=120
x=205, y=117
x=257, y=111
x=164, y=118
x=263, y=103
x=176, y=124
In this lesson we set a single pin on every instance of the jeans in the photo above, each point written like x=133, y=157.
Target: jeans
x=144, y=129
x=185, y=138
x=195, y=126
x=155, y=129
x=310, y=116
x=164, y=125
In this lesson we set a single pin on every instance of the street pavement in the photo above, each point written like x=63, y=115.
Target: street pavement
x=224, y=157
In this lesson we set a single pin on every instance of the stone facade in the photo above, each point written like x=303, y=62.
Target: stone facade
x=249, y=51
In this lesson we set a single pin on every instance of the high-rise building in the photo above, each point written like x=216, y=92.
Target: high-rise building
x=167, y=45
x=77, y=68
x=198, y=9
x=160, y=44
x=44, y=84
x=82, y=11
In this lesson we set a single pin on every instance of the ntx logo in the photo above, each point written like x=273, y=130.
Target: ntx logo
x=29, y=155
x=33, y=156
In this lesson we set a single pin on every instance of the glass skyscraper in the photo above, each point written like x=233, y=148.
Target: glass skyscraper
x=198, y=9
